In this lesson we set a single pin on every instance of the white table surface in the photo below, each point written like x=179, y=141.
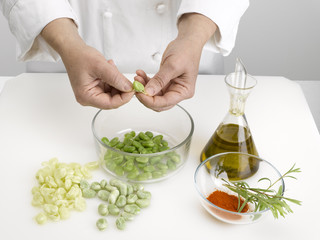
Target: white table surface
x=40, y=119
x=3, y=80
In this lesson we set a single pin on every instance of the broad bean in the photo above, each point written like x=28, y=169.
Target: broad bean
x=114, y=142
x=132, y=208
x=102, y=224
x=103, y=209
x=41, y=218
x=119, y=171
x=120, y=145
x=84, y=184
x=136, y=144
x=111, y=165
x=138, y=87
x=103, y=195
x=95, y=186
x=157, y=174
x=127, y=141
x=128, y=148
x=148, y=143
x=121, y=201
x=128, y=166
x=162, y=166
x=137, y=187
x=113, y=209
x=142, y=159
x=133, y=174
x=143, y=136
x=117, y=158
x=149, y=168
x=143, y=203
x=130, y=134
x=121, y=223
x=157, y=139
x=105, y=140
x=88, y=193
x=132, y=198
x=103, y=183
x=129, y=189
x=164, y=143
x=175, y=159
x=171, y=164
x=144, y=176
x=127, y=216
x=64, y=213
x=110, y=188
x=149, y=134
x=113, y=196
x=143, y=194
x=141, y=168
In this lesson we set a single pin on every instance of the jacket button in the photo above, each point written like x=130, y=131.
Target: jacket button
x=161, y=8
x=156, y=57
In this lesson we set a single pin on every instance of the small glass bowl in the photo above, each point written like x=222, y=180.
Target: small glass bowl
x=176, y=125
x=210, y=176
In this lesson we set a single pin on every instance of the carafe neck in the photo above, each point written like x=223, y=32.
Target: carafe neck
x=239, y=90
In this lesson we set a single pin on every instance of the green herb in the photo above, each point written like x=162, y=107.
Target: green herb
x=265, y=198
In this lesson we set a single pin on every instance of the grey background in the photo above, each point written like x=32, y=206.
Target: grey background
x=280, y=38
x=275, y=37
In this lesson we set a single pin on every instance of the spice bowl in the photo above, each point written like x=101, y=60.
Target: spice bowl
x=174, y=127
x=212, y=178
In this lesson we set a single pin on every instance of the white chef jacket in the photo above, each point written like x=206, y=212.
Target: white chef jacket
x=134, y=33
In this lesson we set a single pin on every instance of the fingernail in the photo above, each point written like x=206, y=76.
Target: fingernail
x=127, y=88
x=149, y=91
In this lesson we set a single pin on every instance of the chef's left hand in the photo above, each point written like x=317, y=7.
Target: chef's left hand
x=176, y=78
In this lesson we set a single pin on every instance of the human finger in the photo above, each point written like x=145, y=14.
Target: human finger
x=142, y=74
x=166, y=73
x=140, y=79
x=111, y=75
x=160, y=103
x=107, y=101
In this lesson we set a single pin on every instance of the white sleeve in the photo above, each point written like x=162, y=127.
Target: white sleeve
x=26, y=20
x=225, y=13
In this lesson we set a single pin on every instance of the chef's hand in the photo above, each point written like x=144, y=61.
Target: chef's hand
x=176, y=78
x=95, y=81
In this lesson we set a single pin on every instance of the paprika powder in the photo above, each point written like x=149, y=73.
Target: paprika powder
x=227, y=201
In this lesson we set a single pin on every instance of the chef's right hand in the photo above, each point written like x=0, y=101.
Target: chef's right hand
x=95, y=81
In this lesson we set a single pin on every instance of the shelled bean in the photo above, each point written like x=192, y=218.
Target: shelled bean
x=59, y=189
x=120, y=199
x=143, y=167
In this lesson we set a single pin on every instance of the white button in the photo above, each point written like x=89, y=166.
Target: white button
x=156, y=57
x=107, y=15
x=161, y=8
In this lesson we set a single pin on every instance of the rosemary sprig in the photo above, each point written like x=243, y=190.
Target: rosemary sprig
x=265, y=198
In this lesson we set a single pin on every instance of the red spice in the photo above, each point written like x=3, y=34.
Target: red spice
x=226, y=201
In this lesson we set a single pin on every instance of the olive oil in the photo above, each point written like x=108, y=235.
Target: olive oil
x=233, y=133
x=233, y=138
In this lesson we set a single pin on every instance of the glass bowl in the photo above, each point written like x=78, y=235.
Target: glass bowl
x=212, y=173
x=176, y=126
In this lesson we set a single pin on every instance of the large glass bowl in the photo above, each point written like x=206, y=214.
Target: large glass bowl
x=176, y=126
x=211, y=175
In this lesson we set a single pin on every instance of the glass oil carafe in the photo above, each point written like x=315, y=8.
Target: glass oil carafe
x=233, y=133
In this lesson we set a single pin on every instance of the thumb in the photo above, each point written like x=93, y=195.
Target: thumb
x=166, y=73
x=114, y=78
